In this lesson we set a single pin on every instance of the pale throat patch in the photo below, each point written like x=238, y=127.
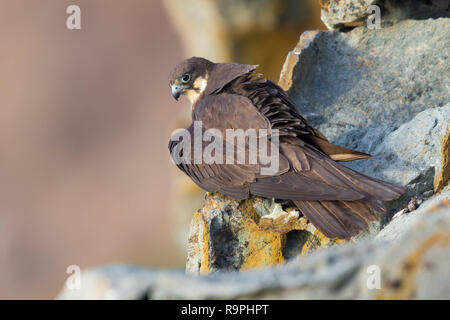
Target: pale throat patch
x=200, y=84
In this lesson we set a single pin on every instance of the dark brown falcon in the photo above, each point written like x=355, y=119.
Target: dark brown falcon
x=336, y=199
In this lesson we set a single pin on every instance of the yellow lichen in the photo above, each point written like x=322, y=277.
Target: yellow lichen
x=262, y=239
x=319, y=240
x=442, y=177
x=205, y=266
x=264, y=248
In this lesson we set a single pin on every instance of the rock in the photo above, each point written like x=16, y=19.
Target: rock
x=337, y=14
x=428, y=193
x=292, y=58
x=409, y=151
x=382, y=92
x=115, y=282
x=345, y=86
x=442, y=176
x=227, y=234
x=404, y=218
x=411, y=256
x=410, y=155
x=366, y=79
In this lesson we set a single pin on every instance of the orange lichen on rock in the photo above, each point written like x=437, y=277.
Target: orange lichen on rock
x=319, y=240
x=228, y=234
x=264, y=248
x=198, y=245
x=443, y=175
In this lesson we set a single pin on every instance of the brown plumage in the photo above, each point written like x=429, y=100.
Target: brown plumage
x=336, y=199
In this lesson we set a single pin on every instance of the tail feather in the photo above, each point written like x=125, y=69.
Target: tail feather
x=372, y=187
x=340, y=219
x=335, y=152
x=322, y=219
x=375, y=206
x=351, y=222
x=333, y=173
x=362, y=209
x=344, y=218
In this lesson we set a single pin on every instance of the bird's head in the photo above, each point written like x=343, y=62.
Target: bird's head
x=195, y=77
x=190, y=78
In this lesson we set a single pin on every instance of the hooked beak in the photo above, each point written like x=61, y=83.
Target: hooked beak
x=177, y=90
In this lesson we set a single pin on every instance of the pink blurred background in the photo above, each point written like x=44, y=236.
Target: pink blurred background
x=84, y=126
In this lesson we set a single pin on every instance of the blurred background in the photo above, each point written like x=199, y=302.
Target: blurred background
x=85, y=118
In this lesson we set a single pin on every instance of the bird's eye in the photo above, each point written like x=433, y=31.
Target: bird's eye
x=186, y=78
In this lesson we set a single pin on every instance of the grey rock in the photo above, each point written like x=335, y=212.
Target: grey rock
x=411, y=254
x=428, y=193
x=407, y=152
x=400, y=222
x=112, y=282
x=384, y=92
x=336, y=14
x=372, y=79
x=233, y=235
x=410, y=155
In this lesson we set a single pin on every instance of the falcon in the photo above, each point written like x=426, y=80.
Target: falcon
x=335, y=199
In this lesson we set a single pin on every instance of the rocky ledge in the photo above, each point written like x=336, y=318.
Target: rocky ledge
x=409, y=258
